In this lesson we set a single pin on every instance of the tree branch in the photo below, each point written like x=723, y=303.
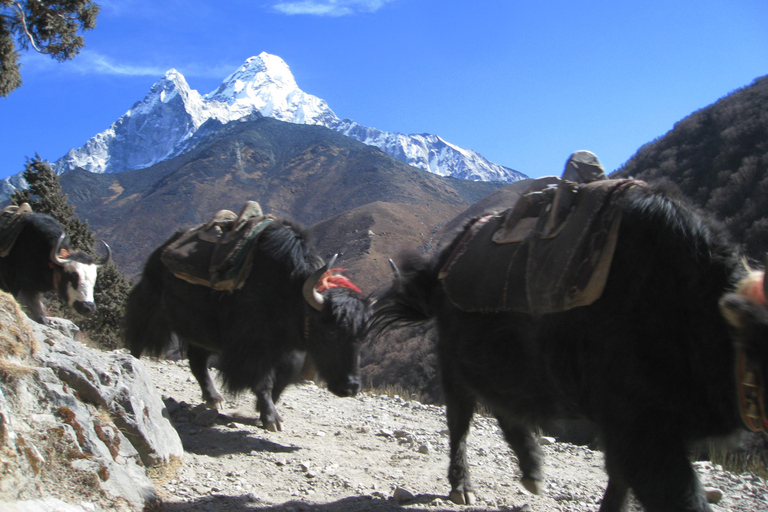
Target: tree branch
x=31, y=38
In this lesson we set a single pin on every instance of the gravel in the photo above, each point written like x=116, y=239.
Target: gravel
x=372, y=453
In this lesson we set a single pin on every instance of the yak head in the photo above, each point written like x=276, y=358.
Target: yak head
x=746, y=310
x=335, y=328
x=75, y=275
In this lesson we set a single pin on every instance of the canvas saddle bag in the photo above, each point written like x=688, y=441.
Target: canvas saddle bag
x=11, y=223
x=218, y=254
x=551, y=252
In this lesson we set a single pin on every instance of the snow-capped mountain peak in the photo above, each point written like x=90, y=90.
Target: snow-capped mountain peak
x=255, y=74
x=265, y=84
x=164, y=90
x=160, y=126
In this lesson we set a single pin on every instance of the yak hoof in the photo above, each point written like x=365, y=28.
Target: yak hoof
x=462, y=497
x=273, y=426
x=215, y=402
x=532, y=485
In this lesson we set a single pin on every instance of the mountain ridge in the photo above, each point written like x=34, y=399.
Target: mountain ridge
x=306, y=173
x=159, y=126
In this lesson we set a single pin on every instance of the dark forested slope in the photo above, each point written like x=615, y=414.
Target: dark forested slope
x=718, y=156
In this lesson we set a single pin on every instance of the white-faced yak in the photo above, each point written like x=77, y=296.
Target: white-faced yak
x=672, y=349
x=39, y=259
x=288, y=306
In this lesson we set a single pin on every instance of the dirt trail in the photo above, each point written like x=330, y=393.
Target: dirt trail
x=372, y=453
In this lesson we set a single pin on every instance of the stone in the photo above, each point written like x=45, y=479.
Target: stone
x=88, y=411
x=402, y=496
x=713, y=495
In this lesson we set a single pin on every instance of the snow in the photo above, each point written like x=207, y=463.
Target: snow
x=156, y=128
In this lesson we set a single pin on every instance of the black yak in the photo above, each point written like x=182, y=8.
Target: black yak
x=40, y=259
x=287, y=308
x=674, y=351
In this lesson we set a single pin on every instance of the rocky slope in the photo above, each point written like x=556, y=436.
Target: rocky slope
x=75, y=423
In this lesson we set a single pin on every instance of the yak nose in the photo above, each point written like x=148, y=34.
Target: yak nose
x=354, y=386
x=85, y=308
x=348, y=388
x=351, y=387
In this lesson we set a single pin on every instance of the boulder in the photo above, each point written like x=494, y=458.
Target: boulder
x=76, y=424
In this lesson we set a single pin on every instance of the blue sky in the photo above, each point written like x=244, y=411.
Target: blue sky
x=523, y=83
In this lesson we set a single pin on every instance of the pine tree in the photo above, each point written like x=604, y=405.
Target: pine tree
x=49, y=27
x=45, y=195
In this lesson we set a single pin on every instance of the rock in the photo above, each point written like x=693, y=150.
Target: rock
x=713, y=495
x=402, y=496
x=64, y=326
x=118, y=383
x=95, y=416
x=205, y=417
x=45, y=505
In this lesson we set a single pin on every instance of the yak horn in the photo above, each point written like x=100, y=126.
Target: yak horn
x=765, y=281
x=55, y=252
x=311, y=295
x=107, y=257
x=398, y=284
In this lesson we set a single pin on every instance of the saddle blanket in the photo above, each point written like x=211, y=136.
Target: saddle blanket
x=218, y=254
x=551, y=252
x=11, y=224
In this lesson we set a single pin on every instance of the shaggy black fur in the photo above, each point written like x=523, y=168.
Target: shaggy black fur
x=650, y=363
x=27, y=271
x=261, y=331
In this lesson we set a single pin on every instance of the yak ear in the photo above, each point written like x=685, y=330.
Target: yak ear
x=311, y=295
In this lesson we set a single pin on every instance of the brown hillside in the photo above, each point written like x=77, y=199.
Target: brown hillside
x=305, y=173
x=369, y=235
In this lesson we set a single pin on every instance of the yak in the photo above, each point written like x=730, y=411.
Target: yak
x=41, y=260
x=286, y=309
x=674, y=351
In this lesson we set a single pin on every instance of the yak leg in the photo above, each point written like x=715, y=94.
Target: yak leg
x=615, y=497
x=523, y=443
x=654, y=464
x=198, y=364
x=289, y=370
x=269, y=417
x=459, y=409
x=33, y=302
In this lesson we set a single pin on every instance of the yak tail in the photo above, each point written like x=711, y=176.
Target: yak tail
x=145, y=329
x=409, y=301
